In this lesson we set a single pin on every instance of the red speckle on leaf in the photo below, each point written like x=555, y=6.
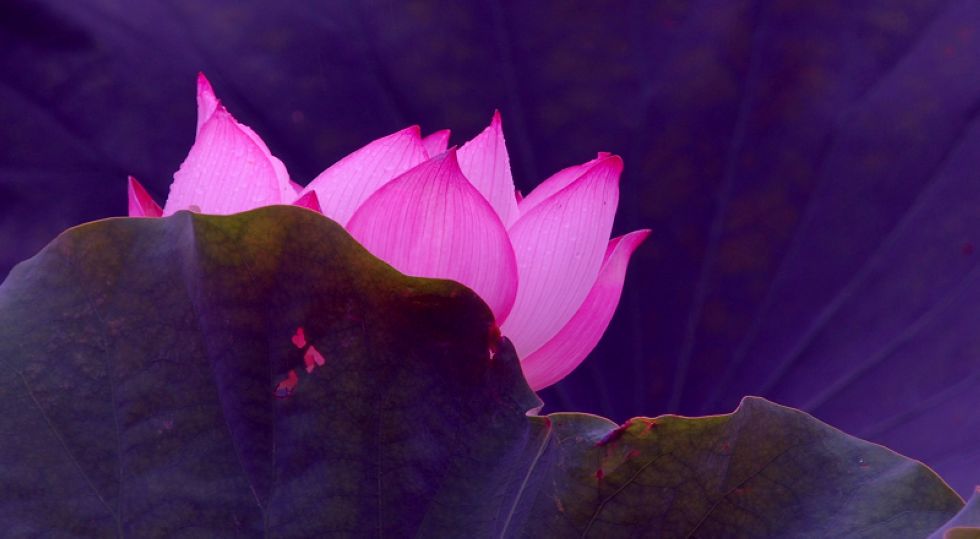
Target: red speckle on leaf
x=313, y=359
x=741, y=491
x=614, y=434
x=632, y=454
x=651, y=424
x=967, y=248
x=599, y=474
x=286, y=387
x=299, y=338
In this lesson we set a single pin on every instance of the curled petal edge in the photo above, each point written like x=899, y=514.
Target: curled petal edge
x=565, y=351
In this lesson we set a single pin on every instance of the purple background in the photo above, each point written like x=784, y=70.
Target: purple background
x=810, y=169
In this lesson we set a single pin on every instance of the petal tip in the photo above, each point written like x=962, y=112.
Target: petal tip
x=310, y=201
x=611, y=162
x=207, y=101
x=204, y=88
x=141, y=204
x=435, y=143
x=641, y=235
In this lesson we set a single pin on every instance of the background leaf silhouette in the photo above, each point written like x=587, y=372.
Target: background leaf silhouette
x=808, y=168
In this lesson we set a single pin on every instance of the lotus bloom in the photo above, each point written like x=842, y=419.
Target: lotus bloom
x=544, y=263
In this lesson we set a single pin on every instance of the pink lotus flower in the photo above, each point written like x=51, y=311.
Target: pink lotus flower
x=544, y=264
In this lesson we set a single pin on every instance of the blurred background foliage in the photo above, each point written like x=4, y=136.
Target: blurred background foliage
x=809, y=168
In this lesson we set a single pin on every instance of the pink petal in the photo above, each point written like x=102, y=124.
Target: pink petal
x=436, y=143
x=555, y=183
x=430, y=222
x=485, y=163
x=229, y=169
x=207, y=102
x=569, y=347
x=344, y=186
x=559, y=246
x=141, y=204
x=297, y=188
x=309, y=201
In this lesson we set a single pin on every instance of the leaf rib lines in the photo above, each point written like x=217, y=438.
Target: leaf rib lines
x=628, y=482
x=190, y=263
x=717, y=230
x=545, y=440
x=71, y=455
x=724, y=497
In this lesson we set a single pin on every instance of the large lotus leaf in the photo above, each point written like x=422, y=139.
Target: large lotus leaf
x=159, y=381
x=808, y=168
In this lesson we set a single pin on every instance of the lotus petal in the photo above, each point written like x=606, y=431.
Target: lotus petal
x=436, y=143
x=309, y=201
x=559, y=246
x=556, y=182
x=229, y=169
x=569, y=347
x=430, y=222
x=141, y=204
x=485, y=164
x=207, y=101
x=344, y=186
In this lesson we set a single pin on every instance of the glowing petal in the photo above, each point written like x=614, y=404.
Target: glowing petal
x=485, y=164
x=343, y=187
x=430, y=222
x=207, y=101
x=559, y=246
x=436, y=143
x=229, y=169
x=141, y=204
x=570, y=346
x=556, y=182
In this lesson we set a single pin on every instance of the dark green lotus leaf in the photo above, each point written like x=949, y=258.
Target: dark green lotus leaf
x=262, y=375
